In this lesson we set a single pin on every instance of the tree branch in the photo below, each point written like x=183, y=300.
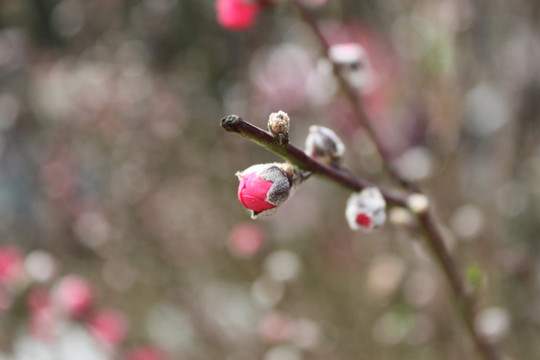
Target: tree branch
x=296, y=156
x=466, y=304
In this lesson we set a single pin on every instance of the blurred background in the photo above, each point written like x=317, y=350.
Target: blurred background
x=121, y=236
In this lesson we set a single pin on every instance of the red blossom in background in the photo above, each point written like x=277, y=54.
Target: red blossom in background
x=108, y=327
x=10, y=264
x=237, y=15
x=74, y=296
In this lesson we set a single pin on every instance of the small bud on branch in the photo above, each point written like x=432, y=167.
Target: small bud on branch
x=278, y=125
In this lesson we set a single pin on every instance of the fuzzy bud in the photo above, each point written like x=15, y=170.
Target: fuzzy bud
x=278, y=125
x=264, y=187
x=324, y=145
x=366, y=209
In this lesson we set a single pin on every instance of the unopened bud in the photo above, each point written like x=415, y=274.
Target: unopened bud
x=324, y=145
x=418, y=203
x=352, y=58
x=264, y=187
x=350, y=54
x=278, y=125
x=366, y=209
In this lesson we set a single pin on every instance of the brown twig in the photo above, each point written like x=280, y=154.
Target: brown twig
x=296, y=156
x=465, y=302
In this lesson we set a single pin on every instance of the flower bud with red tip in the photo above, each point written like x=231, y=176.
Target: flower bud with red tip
x=366, y=209
x=324, y=145
x=237, y=15
x=264, y=187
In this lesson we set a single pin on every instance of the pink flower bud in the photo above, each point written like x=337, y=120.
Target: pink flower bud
x=253, y=191
x=366, y=210
x=324, y=145
x=108, y=327
x=10, y=264
x=146, y=353
x=237, y=15
x=74, y=296
x=264, y=187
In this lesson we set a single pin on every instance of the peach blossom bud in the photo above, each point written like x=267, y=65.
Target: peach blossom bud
x=324, y=145
x=366, y=209
x=74, y=296
x=264, y=187
x=237, y=15
x=278, y=125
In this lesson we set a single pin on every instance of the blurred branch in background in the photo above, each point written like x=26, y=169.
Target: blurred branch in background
x=465, y=302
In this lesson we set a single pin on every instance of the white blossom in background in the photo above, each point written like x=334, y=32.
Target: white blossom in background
x=324, y=145
x=40, y=265
x=493, y=323
x=347, y=54
x=282, y=265
x=366, y=210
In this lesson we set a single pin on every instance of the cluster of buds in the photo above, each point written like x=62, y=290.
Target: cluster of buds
x=366, y=209
x=265, y=187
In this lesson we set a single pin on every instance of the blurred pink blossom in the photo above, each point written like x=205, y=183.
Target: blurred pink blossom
x=42, y=314
x=11, y=264
x=275, y=327
x=74, y=296
x=237, y=15
x=109, y=327
x=146, y=353
x=246, y=239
